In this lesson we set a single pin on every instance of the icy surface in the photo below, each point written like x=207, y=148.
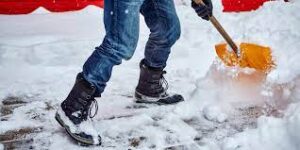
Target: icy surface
x=225, y=108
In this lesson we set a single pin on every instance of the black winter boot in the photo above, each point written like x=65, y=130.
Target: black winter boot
x=150, y=88
x=75, y=112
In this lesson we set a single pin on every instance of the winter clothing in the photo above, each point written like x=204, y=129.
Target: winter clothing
x=121, y=19
x=150, y=88
x=76, y=108
x=203, y=11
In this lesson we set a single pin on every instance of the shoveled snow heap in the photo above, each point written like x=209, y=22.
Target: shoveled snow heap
x=225, y=108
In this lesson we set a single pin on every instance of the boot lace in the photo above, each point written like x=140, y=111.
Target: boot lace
x=164, y=82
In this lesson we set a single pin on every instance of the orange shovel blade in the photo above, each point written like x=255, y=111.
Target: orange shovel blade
x=251, y=55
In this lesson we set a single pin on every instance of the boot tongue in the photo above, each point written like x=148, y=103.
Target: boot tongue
x=156, y=77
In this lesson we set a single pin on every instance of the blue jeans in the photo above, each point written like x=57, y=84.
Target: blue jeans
x=121, y=19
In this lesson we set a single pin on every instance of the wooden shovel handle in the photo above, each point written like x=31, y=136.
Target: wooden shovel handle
x=221, y=30
x=224, y=34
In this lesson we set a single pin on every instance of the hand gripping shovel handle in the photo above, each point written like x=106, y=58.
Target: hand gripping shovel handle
x=221, y=30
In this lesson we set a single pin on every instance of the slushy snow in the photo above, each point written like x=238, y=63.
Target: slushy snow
x=225, y=108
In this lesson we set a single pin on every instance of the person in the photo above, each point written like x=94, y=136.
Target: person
x=121, y=19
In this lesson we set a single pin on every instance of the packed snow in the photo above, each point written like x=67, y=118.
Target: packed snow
x=225, y=109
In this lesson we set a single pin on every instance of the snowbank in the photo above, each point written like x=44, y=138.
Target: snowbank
x=271, y=133
x=225, y=108
x=276, y=24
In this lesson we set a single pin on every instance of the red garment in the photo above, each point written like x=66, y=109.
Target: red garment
x=241, y=5
x=28, y=6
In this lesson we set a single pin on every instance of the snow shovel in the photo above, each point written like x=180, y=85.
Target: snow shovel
x=247, y=55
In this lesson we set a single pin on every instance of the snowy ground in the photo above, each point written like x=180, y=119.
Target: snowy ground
x=225, y=108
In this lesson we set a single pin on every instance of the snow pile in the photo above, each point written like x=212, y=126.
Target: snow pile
x=282, y=35
x=225, y=108
x=267, y=26
x=271, y=133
